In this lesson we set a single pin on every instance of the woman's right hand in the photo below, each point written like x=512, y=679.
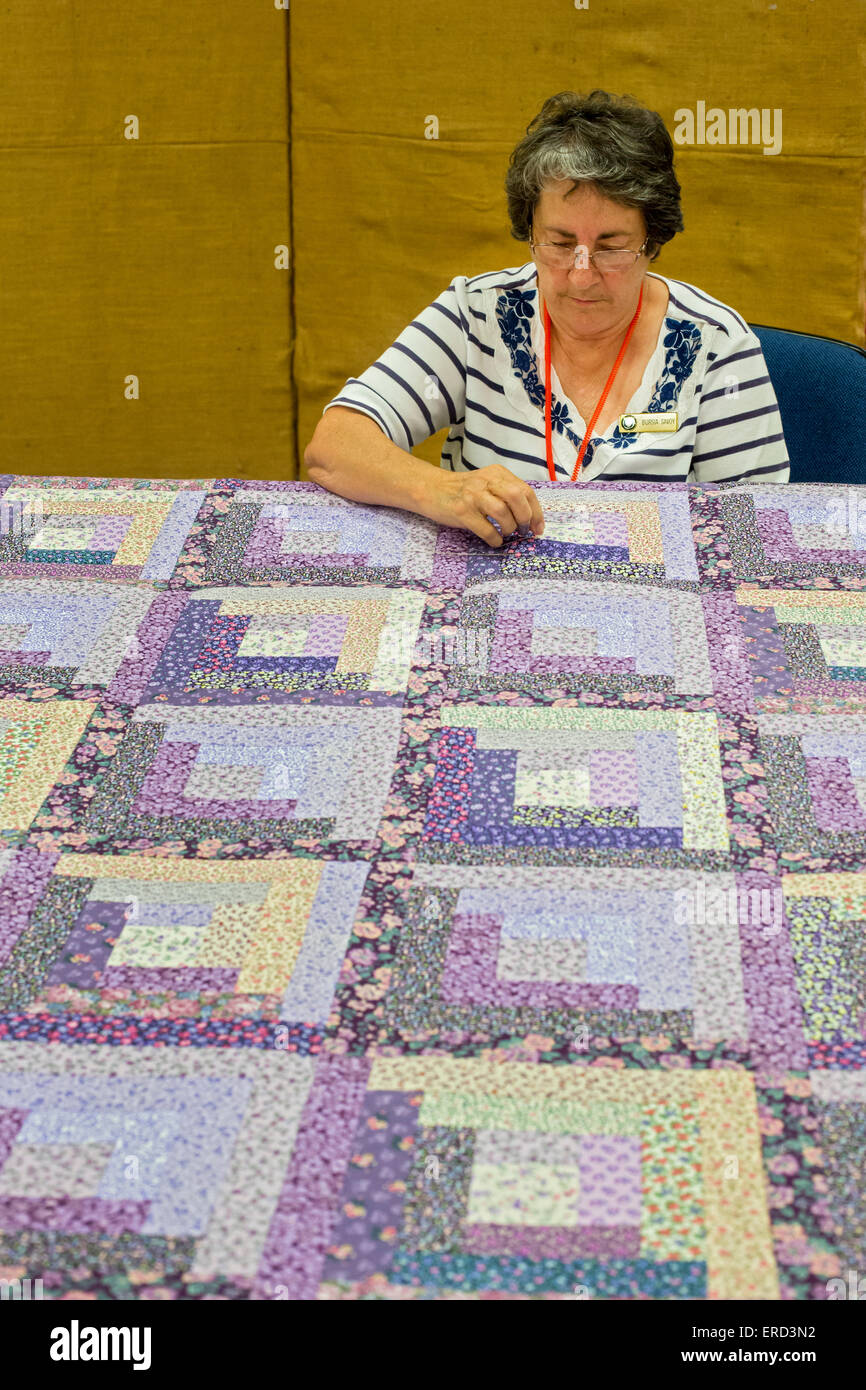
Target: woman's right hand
x=469, y=499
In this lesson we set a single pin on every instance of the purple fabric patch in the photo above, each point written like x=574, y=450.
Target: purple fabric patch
x=326, y=634
x=729, y=650
x=10, y=658
x=449, y=559
x=512, y=651
x=610, y=528
x=92, y=1216
x=23, y=885
x=264, y=545
x=180, y=979
x=110, y=531
x=613, y=777
x=571, y=550
x=833, y=794
x=240, y=664
x=769, y=983
x=373, y=1195
x=307, y=1209
x=469, y=975
x=10, y=1126
x=89, y=945
x=767, y=658
x=777, y=537
x=133, y=673
x=610, y=1180
x=27, y=569
x=161, y=791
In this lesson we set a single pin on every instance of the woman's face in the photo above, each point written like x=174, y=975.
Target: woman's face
x=588, y=300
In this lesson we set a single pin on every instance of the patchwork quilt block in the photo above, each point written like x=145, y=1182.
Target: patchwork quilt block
x=127, y=1162
x=576, y=963
x=265, y=780
x=122, y=529
x=569, y=953
x=814, y=770
x=267, y=936
x=617, y=532
x=575, y=784
x=79, y=636
x=270, y=532
x=800, y=645
x=278, y=643
x=534, y=634
x=554, y=1180
x=795, y=533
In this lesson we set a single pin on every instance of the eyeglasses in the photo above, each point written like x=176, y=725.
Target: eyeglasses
x=563, y=255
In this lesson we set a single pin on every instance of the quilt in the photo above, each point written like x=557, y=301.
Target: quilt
x=384, y=915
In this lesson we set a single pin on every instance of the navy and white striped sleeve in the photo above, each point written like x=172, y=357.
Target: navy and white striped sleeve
x=418, y=385
x=739, y=431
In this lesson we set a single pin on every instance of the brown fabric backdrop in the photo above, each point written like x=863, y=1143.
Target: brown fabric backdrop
x=151, y=257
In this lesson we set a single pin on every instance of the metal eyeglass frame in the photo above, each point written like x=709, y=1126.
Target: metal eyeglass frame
x=591, y=255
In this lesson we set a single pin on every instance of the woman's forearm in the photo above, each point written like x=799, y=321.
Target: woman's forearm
x=350, y=455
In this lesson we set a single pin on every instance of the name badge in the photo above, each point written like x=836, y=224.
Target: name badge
x=653, y=422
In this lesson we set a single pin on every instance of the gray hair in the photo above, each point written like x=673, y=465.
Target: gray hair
x=614, y=143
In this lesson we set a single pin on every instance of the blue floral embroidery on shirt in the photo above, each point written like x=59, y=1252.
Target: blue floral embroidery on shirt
x=514, y=312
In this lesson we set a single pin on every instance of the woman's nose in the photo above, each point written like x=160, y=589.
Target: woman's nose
x=585, y=275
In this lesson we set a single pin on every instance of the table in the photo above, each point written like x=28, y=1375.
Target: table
x=493, y=920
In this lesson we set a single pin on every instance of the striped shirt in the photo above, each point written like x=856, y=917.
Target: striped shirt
x=473, y=361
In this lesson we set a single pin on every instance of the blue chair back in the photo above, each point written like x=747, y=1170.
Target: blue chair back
x=820, y=384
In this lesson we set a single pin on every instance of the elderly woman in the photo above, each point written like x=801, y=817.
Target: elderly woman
x=580, y=364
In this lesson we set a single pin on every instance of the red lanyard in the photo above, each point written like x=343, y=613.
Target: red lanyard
x=547, y=425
